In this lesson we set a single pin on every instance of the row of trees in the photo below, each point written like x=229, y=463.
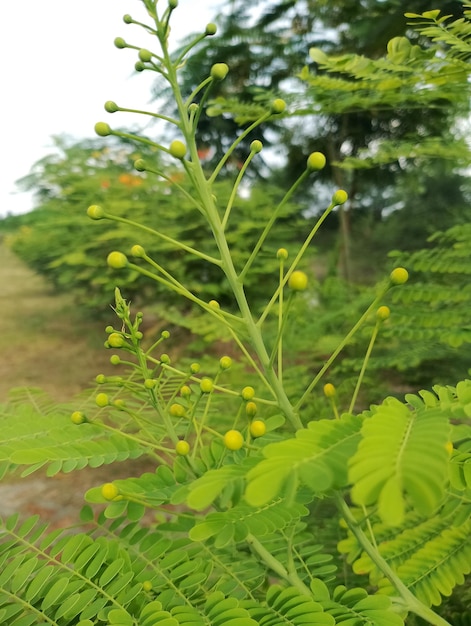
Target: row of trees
x=391, y=124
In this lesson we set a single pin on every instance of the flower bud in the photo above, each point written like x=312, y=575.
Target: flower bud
x=111, y=107
x=211, y=29
x=95, y=212
x=399, y=276
x=102, y=129
x=177, y=149
x=120, y=43
x=316, y=161
x=219, y=71
x=278, y=106
x=117, y=260
x=339, y=197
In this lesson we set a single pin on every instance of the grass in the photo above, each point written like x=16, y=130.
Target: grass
x=44, y=342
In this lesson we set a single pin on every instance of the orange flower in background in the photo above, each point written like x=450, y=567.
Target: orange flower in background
x=105, y=184
x=125, y=179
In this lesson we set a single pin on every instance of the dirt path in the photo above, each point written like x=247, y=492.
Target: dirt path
x=43, y=341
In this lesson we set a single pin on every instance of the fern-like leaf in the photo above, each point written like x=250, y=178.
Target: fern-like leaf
x=437, y=567
x=402, y=452
x=289, y=606
x=317, y=458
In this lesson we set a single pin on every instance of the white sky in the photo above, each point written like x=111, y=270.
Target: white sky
x=59, y=66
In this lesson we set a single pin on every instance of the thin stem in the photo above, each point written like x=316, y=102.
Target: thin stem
x=294, y=264
x=234, y=145
x=235, y=188
x=159, y=116
x=175, y=242
x=339, y=349
x=270, y=223
x=412, y=603
x=363, y=367
x=282, y=319
x=290, y=576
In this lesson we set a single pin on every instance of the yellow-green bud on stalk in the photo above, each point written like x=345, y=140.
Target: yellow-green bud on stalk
x=140, y=165
x=316, y=161
x=100, y=379
x=138, y=251
x=225, y=362
x=109, y=491
x=251, y=409
x=185, y=391
x=115, y=340
x=117, y=260
x=119, y=404
x=164, y=358
x=195, y=368
x=214, y=304
x=219, y=71
x=206, y=385
x=211, y=29
x=382, y=313
x=102, y=129
x=95, y=212
x=139, y=66
x=177, y=149
x=147, y=585
x=278, y=106
x=282, y=254
x=145, y=55
x=165, y=334
x=329, y=390
x=111, y=107
x=298, y=281
x=78, y=418
x=127, y=19
x=182, y=447
x=120, y=43
x=257, y=428
x=399, y=276
x=115, y=359
x=233, y=440
x=150, y=383
x=177, y=410
x=172, y=4
x=256, y=146
x=102, y=400
x=247, y=393
x=339, y=197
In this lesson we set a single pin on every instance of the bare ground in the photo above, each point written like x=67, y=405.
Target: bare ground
x=44, y=343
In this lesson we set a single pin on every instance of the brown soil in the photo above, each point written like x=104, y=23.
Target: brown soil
x=45, y=344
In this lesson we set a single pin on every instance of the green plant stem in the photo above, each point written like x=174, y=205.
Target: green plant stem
x=177, y=244
x=412, y=603
x=278, y=345
x=203, y=189
x=235, y=187
x=290, y=576
x=339, y=349
x=294, y=264
x=363, y=367
x=240, y=138
x=270, y=223
x=159, y=116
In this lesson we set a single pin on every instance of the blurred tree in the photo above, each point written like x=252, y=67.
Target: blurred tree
x=58, y=240
x=266, y=45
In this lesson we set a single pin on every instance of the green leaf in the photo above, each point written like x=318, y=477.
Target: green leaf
x=402, y=453
x=317, y=458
